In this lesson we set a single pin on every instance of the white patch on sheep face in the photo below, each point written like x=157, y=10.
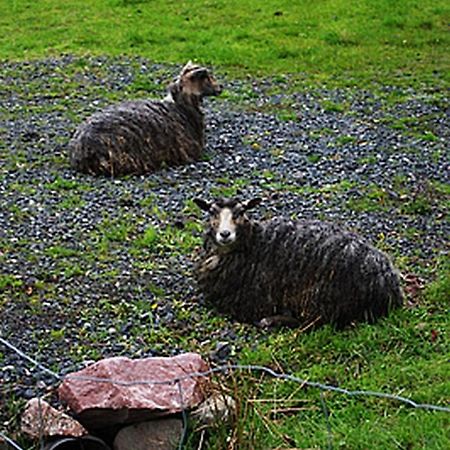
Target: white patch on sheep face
x=168, y=98
x=226, y=229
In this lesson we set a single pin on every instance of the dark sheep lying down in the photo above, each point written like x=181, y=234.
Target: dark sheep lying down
x=295, y=273
x=141, y=136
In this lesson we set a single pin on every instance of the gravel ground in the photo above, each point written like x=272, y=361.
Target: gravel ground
x=78, y=279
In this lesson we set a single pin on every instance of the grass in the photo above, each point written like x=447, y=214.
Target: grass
x=318, y=43
x=404, y=355
x=361, y=40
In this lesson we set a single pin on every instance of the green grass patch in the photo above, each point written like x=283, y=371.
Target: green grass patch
x=314, y=158
x=330, y=106
x=61, y=184
x=149, y=239
x=344, y=140
x=374, y=199
x=357, y=41
x=58, y=251
x=170, y=240
x=9, y=281
x=404, y=355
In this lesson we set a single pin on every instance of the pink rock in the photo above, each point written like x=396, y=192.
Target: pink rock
x=101, y=404
x=40, y=419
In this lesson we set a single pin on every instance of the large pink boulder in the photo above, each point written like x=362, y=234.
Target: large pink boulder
x=144, y=389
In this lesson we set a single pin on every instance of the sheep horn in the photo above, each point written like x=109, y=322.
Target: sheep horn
x=249, y=204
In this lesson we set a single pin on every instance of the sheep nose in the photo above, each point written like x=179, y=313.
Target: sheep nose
x=225, y=234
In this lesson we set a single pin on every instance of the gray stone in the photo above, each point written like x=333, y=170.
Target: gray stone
x=215, y=409
x=163, y=434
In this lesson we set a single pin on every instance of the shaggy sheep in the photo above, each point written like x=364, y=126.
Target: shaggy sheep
x=141, y=136
x=279, y=271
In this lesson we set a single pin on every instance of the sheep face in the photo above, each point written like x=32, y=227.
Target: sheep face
x=197, y=81
x=226, y=219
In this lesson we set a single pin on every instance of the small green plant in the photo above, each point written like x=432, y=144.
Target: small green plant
x=369, y=160
x=73, y=270
x=224, y=191
x=116, y=230
x=344, y=140
x=420, y=205
x=9, y=281
x=57, y=335
x=314, y=158
x=429, y=136
x=331, y=106
x=339, y=38
x=437, y=292
x=58, y=251
x=71, y=201
x=146, y=84
x=149, y=239
x=287, y=115
x=374, y=198
x=60, y=183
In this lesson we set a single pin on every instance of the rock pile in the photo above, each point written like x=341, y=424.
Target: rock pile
x=131, y=403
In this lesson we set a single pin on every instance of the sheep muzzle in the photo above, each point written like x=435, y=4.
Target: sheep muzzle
x=225, y=227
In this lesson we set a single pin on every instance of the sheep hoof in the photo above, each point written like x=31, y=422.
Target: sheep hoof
x=278, y=322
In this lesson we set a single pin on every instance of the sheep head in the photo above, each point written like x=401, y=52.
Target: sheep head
x=227, y=219
x=194, y=83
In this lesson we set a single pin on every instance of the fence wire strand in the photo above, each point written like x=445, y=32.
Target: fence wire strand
x=177, y=381
x=10, y=441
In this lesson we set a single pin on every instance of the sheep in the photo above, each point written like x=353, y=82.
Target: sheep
x=295, y=273
x=141, y=136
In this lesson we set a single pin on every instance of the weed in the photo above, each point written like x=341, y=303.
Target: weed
x=9, y=281
x=224, y=191
x=146, y=84
x=371, y=159
x=374, y=199
x=287, y=116
x=429, y=136
x=57, y=251
x=344, y=140
x=149, y=238
x=61, y=184
x=116, y=230
x=331, y=106
x=314, y=158
x=71, y=201
x=419, y=205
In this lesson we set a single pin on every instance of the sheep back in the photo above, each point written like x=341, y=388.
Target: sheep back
x=137, y=137
x=311, y=270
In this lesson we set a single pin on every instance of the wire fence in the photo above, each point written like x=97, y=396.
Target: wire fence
x=225, y=369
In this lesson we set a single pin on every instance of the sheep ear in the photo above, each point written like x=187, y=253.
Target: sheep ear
x=202, y=204
x=249, y=204
x=199, y=73
x=187, y=67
